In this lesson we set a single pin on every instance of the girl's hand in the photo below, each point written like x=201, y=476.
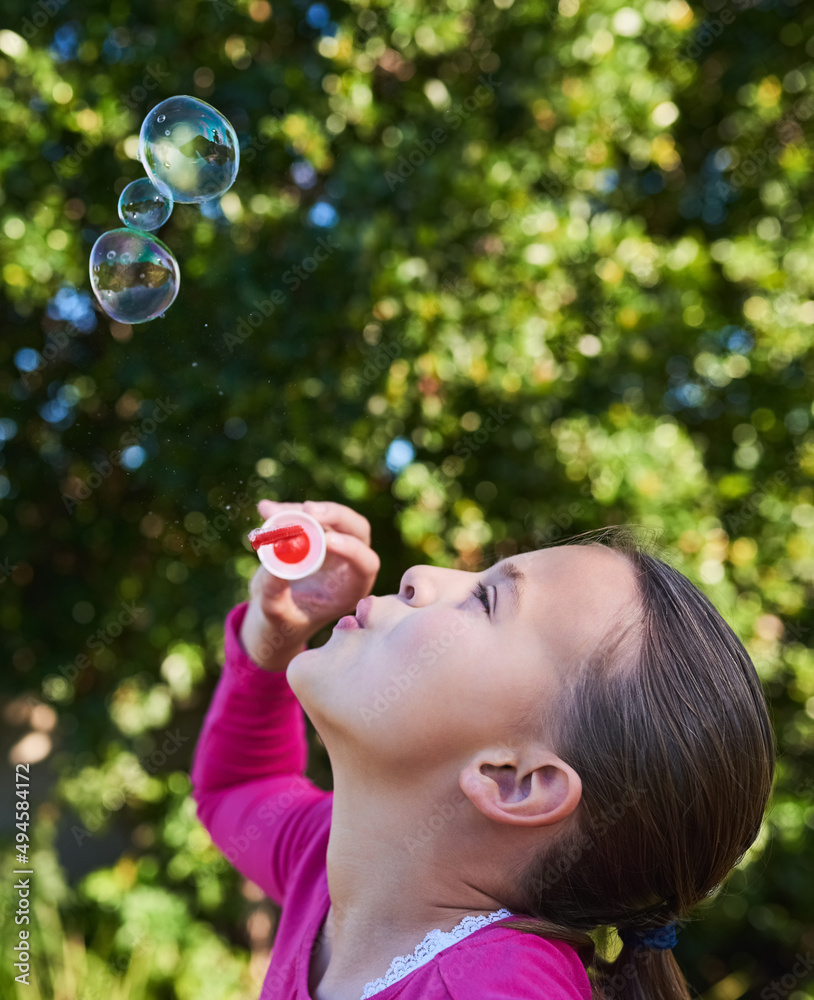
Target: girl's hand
x=284, y=614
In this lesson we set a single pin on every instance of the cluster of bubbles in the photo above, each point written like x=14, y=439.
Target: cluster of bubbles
x=191, y=155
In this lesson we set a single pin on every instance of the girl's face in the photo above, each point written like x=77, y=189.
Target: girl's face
x=433, y=677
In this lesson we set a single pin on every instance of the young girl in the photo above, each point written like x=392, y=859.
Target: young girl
x=568, y=741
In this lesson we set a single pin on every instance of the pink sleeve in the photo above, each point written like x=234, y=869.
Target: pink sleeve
x=248, y=768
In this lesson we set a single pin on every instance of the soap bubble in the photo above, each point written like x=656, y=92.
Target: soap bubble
x=133, y=274
x=143, y=206
x=189, y=150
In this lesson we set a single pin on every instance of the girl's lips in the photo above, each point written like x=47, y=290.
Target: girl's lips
x=349, y=621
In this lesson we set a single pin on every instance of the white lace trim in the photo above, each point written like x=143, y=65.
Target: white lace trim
x=434, y=942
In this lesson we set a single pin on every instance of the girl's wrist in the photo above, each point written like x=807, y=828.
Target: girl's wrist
x=269, y=644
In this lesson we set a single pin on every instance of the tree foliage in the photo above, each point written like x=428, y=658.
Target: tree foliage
x=560, y=255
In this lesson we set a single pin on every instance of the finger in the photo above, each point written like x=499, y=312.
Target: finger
x=276, y=597
x=263, y=583
x=340, y=518
x=268, y=507
x=335, y=516
x=332, y=515
x=362, y=561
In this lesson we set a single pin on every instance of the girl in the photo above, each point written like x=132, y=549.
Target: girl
x=568, y=741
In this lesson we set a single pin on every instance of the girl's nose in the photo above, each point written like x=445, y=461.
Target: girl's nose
x=422, y=584
x=407, y=588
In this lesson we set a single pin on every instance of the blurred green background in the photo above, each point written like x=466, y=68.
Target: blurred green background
x=570, y=284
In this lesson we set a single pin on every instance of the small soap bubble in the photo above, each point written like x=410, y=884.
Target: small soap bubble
x=142, y=288
x=195, y=157
x=143, y=206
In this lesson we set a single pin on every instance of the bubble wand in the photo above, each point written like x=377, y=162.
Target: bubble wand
x=290, y=545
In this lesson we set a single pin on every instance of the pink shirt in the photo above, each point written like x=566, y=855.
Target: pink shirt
x=272, y=824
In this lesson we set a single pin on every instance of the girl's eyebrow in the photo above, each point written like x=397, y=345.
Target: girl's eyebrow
x=516, y=580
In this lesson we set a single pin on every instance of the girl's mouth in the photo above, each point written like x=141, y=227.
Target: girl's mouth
x=349, y=622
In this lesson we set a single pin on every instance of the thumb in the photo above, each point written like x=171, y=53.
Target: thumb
x=266, y=585
x=274, y=586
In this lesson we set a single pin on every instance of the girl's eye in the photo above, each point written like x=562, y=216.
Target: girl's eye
x=483, y=596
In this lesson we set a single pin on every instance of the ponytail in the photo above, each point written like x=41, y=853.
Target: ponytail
x=639, y=973
x=667, y=725
x=636, y=973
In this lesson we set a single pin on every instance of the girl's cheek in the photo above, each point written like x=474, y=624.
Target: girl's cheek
x=416, y=650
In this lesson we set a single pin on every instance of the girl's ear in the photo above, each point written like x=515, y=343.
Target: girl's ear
x=536, y=792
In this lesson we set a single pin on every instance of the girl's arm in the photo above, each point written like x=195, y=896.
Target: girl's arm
x=248, y=769
x=247, y=774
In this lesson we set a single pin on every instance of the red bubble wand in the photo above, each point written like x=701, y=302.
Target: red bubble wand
x=290, y=543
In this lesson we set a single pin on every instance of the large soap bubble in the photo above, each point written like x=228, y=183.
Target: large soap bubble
x=133, y=274
x=143, y=206
x=189, y=150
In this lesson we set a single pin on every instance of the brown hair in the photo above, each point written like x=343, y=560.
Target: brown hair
x=668, y=728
